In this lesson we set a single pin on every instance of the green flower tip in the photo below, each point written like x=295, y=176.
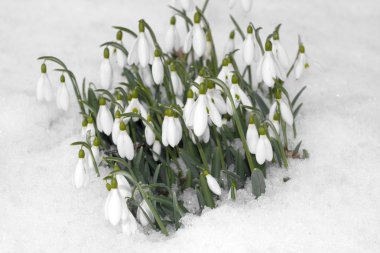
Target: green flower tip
x=96, y=142
x=81, y=153
x=119, y=35
x=205, y=172
x=62, y=78
x=190, y=93
x=108, y=186
x=149, y=118
x=117, y=114
x=250, y=29
x=169, y=113
x=226, y=61
x=232, y=35
x=202, y=88
x=113, y=183
x=262, y=130
x=135, y=93
x=210, y=84
x=251, y=120
x=135, y=110
x=197, y=18
x=268, y=45
x=307, y=65
x=84, y=123
x=172, y=66
x=208, y=36
x=141, y=26
x=90, y=120
x=157, y=53
x=234, y=79
x=276, y=116
x=106, y=53
x=102, y=101
x=278, y=94
x=276, y=36
x=122, y=126
x=43, y=68
x=129, y=97
x=119, y=96
x=172, y=20
x=302, y=49
x=202, y=72
x=116, y=167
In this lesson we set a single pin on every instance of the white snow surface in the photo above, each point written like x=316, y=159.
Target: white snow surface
x=331, y=203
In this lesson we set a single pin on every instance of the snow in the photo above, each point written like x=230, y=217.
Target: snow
x=330, y=204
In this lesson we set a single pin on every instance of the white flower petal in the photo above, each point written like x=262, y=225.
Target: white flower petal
x=133, y=53
x=143, y=50
x=268, y=149
x=199, y=111
x=260, y=150
x=114, y=207
x=248, y=49
x=213, y=185
x=252, y=138
x=158, y=70
x=199, y=40
x=106, y=74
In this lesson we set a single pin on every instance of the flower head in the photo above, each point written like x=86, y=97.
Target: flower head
x=106, y=72
x=81, y=177
x=284, y=110
x=157, y=68
x=44, y=89
x=264, y=148
x=104, y=119
x=63, y=99
x=124, y=143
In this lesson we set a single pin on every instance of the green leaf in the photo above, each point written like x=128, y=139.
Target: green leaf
x=127, y=30
x=298, y=95
x=206, y=193
x=258, y=183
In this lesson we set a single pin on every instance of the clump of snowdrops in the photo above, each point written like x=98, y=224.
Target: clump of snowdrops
x=182, y=123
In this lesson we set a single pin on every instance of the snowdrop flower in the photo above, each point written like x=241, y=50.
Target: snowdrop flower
x=136, y=107
x=146, y=76
x=171, y=129
x=116, y=127
x=172, y=38
x=250, y=50
x=246, y=4
x=268, y=68
x=123, y=185
x=44, y=89
x=81, y=177
x=157, y=68
x=128, y=222
x=121, y=58
x=104, y=119
x=230, y=45
x=252, y=136
x=238, y=96
x=142, y=212
x=225, y=73
x=199, y=79
x=113, y=206
x=84, y=127
x=119, y=101
x=196, y=37
x=208, y=50
x=141, y=52
x=202, y=110
x=106, y=72
x=176, y=81
x=150, y=136
x=95, y=152
x=156, y=150
x=188, y=106
x=124, y=143
x=187, y=5
x=264, y=148
x=276, y=123
x=285, y=112
x=63, y=99
x=212, y=183
x=279, y=51
x=301, y=62
x=90, y=130
x=214, y=95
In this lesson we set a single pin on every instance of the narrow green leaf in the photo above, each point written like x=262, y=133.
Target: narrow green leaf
x=258, y=183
